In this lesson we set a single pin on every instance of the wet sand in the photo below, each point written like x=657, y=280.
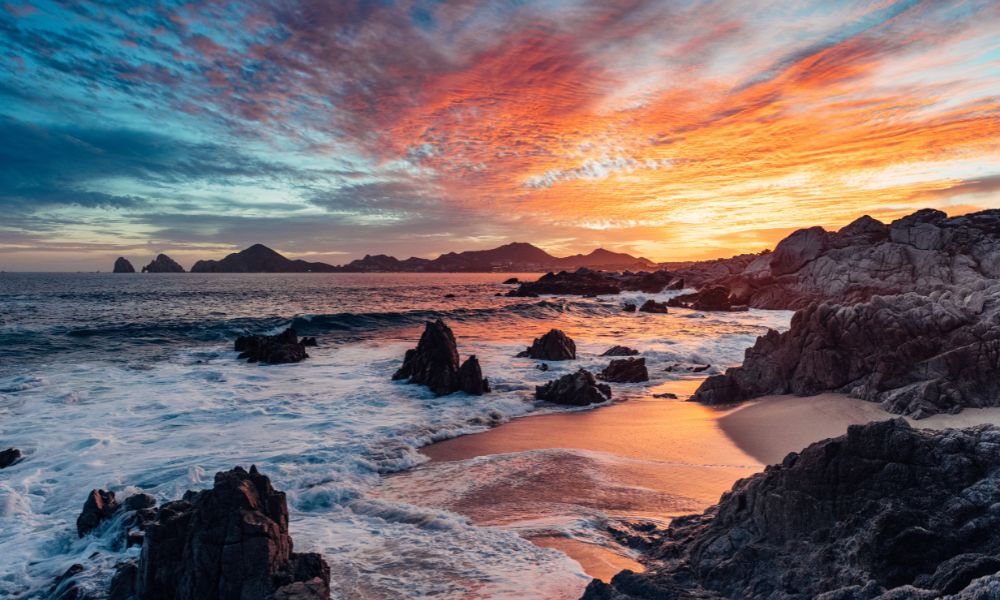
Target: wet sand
x=771, y=427
x=555, y=478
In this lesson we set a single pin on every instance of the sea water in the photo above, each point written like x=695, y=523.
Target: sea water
x=129, y=382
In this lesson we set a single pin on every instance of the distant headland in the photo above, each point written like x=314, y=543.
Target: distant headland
x=510, y=258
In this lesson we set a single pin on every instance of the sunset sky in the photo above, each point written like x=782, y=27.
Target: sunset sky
x=331, y=129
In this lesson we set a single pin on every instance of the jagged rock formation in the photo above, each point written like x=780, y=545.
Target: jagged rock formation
x=434, y=363
x=163, y=264
x=884, y=511
x=99, y=506
x=652, y=306
x=554, y=345
x=122, y=265
x=587, y=282
x=284, y=347
x=625, y=370
x=575, y=389
x=229, y=542
x=712, y=298
x=620, y=351
x=9, y=457
x=260, y=259
x=920, y=252
x=915, y=355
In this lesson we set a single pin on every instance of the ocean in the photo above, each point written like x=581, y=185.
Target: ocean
x=129, y=382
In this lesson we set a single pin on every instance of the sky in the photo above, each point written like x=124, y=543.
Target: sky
x=329, y=129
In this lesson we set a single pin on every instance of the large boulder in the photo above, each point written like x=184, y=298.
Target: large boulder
x=434, y=363
x=163, y=264
x=100, y=506
x=712, y=298
x=574, y=389
x=9, y=457
x=230, y=542
x=884, y=511
x=554, y=345
x=915, y=355
x=625, y=370
x=284, y=347
x=620, y=351
x=582, y=282
x=122, y=265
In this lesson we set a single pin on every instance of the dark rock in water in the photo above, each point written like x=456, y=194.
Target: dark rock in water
x=449, y=295
x=229, y=542
x=65, y=586
x=575, y=389
x=667, y=395
x=915, y=355
x=122, y=265
x=163, y=264
x=100, y=505
x=511, y=281
x=714, y=298
x=699, y=368
x=284, y=347
x=309, y=341
x=542, y=366
x=628, y=307
x=625, y=370
x=139, y=502
x=124, y=580
x=470, y=378
x=652, y=306
x=9, y=457
x=581, y=282
x=554, y=345
x=885, y=509
x=434, y=363
x=620, y=351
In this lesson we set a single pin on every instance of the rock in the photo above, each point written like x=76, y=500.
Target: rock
x=511, y=281
x=65, y=587
x=699, y=368
x=449, y=295
x=470, y=378
x=580, y=282
x=163, y=264
x=668, y=395
x=542, y=366
x=284, y=347
x=9, y=457
x=620, y=351
x=99, y=506
x=713, y=298
x=261, y=259
x=652, y=306
x=922, y=252
x=229, y=542
x=122, y=265
x=628, y=307
x=124, y=580
x=575, y=389
x=554, y=345
x=915, y=355
x=309, y=341
x=139, y=502
x=625, y=370
x=434, y=363
x=885, y=510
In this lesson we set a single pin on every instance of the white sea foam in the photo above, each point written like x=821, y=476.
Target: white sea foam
x=325, y=430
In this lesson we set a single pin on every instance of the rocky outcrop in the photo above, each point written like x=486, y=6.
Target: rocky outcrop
x=920, y=253
x=260, y=259
x=620, y=351
x=915, y=355
x=575, y=389
x=9, y=457
x=163, y=264
x=122, y=265
x=625, y=370
x=587, y=282
x=229, y=542
x=99, y=507
x=884, y=511
x=652, y=306
x=434, y=363
x=284, y=347
x=712, y=298
x=554, y=345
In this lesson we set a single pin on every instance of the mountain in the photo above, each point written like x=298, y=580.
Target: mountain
x=515, y=257
x=163, y=264
x=122, y=265
x=260, y=259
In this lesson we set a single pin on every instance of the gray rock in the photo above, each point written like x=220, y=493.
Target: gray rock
x=884, y=511
x=434, y=363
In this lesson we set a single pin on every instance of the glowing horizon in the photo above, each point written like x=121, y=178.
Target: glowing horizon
x=670, y=130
